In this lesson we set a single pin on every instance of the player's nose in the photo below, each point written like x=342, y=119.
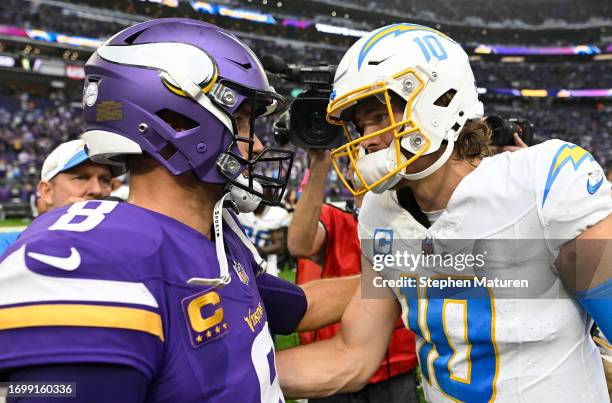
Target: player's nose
x=257, y=145
x=372, y=144
x=97, y=189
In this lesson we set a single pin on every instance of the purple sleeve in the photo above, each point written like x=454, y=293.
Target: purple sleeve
x=95, y=383
x=285, y=303
x=96, y=305
x=34, y=346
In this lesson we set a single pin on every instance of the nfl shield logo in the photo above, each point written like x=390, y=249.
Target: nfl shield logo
x=427, y=246
x=241, y=273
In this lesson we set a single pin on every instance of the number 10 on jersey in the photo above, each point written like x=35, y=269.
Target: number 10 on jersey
x=456, y=349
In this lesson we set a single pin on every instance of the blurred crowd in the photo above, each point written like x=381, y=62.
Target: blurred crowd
x=30, y=126
x=517, y=12
x=35, y=15
x=544, y=75
x=587, y=124
x=29, y=129
x=101, y=19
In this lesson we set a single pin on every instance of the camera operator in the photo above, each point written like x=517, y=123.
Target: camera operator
x=328, y=236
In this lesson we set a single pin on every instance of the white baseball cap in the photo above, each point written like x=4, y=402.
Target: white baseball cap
x=67, y=155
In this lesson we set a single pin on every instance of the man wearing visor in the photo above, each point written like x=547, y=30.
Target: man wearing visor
x=67, y=176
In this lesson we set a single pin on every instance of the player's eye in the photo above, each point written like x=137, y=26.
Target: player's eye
x=380, y=117
x=105, y=181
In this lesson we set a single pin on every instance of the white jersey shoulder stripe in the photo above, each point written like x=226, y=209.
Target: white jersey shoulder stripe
x=19, y=285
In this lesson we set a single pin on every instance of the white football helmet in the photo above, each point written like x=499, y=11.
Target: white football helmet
x=423, y=67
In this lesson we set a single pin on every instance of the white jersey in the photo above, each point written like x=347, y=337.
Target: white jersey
x=499, y=343
x=259, y=229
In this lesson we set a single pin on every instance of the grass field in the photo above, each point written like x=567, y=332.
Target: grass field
x=14, y=223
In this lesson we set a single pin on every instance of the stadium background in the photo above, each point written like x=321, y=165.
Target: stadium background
x=548, y=61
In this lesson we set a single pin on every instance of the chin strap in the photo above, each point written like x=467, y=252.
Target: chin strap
x=231, y=222
x=245, y=201
x=376, y=165
x=220, y=214
x=450, y=145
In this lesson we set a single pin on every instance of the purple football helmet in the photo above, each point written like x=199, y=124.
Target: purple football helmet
x=187, y=71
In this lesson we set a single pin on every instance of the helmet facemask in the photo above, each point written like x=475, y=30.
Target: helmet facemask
x=264, y=174
x=391, y=160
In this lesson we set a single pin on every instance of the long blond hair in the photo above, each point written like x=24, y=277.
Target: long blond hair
x=473, y=141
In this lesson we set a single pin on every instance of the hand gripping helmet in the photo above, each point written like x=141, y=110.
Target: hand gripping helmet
x=423, y=67
x=186, y=71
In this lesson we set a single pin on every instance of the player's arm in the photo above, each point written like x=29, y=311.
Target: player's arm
x=574, y=201
x=327, y=301
x=292, y=308
x=305, y=237
x=585, y=266
x=345, y=362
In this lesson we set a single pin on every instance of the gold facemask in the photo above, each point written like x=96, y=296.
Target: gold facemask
x=405, y=127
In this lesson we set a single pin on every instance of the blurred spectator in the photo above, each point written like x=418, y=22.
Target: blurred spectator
x=29, y=129
x=67, y=176
x=266, y=227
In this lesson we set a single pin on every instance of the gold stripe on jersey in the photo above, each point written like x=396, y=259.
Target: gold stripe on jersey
x=82, y=315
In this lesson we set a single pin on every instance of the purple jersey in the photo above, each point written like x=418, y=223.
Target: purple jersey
x=106, y=282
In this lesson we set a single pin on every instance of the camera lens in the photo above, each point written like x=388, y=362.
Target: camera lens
x=318, y=125
x=513, y=127
x=309, y=128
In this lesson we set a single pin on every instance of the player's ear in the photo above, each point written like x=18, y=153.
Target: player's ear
x=45, y=194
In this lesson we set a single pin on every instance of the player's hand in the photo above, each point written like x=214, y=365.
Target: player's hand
x=519, y=144
x=319, y=157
